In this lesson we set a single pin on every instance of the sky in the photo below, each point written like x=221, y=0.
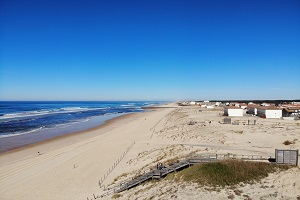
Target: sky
x=149, y=49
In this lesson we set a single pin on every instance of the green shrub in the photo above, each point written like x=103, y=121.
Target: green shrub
x=115, y=196
x=226, y=173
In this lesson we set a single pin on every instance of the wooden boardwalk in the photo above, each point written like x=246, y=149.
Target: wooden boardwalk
x=160, y=173
x=157, y=174
x=154, y=174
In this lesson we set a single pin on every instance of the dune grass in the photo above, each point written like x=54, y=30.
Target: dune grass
x=116, y=196
x=226, y=173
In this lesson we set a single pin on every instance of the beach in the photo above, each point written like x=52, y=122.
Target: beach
x=80, y=165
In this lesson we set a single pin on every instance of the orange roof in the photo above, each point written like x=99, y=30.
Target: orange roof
x=269, y=108
x=253, y=106
x=232, y=107
x=291, y=109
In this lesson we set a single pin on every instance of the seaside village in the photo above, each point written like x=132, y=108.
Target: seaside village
x=194, y=133
x=286, y=111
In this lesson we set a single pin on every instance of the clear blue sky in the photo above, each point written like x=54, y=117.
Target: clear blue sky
x=149, y=49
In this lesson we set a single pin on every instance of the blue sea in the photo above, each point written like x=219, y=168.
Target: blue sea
x=34, y=121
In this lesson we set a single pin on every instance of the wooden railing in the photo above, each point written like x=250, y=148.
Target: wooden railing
x=159, y=173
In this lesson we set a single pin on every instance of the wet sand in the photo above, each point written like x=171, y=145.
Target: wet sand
x=31, y=139
x=63, y=140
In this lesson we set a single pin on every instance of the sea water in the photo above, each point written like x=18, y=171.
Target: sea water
x=35, y=121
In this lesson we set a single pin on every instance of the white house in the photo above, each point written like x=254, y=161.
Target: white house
x=269, y=112
x=210, y=107
x=243, y=106
x=233, y=111
x=192, y=103
x=218, y=104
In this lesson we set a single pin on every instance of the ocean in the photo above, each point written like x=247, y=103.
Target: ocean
x=28, y=122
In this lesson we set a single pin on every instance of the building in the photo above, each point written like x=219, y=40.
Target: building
x=269, y=112
x=233, y=111
x=210, y=107
x=252, y=109
x=243, y=105
x=291, y=111
x=192, y=103
x=218, y=104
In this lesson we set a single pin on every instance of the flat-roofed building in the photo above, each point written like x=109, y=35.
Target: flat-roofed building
x=233, y=111
x=269, y=112
x=192, y=103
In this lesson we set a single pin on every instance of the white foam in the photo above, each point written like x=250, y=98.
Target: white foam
x=75, y=109
x=46, y=112
x=21, y=133
x=72, y=123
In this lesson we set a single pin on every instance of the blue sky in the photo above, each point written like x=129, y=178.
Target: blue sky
x=149, y=50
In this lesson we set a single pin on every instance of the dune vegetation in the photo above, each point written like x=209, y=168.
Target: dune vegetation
x=226, y=173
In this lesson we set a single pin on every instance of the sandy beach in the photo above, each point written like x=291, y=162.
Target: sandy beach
x=70, y=167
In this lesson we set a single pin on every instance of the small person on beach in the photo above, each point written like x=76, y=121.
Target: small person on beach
x=39, y=153
x=160, y=166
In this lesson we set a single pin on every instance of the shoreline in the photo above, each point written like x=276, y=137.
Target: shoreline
x=30, y=123
x=69, y=138
x=30, y=139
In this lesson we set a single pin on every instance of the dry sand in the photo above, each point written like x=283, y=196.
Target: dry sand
x=71, y=167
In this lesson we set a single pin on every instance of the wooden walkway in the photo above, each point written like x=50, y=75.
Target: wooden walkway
x=157, y=174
